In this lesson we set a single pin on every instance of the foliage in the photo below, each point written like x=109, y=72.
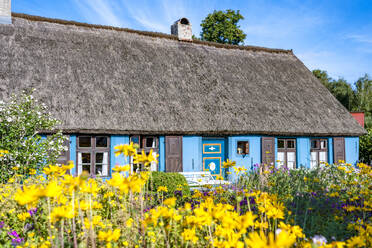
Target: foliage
x=365, y=147
x=267, y=209
x=222, y=27
x=327, y=200
x=21, y=120
x=358, y=99
x=172, y=181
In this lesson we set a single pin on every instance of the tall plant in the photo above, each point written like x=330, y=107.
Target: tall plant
x=21, y=120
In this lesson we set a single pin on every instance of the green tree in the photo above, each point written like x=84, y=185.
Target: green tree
x=222, y=27
x=343, y=92
x=323, y=78
x=340, y=89
x=21, y=120
x=363, y=98
x=365, y=147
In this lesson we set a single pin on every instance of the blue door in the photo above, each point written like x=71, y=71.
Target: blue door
x=213, y=156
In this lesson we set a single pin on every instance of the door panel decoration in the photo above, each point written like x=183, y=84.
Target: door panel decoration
x=213, y=156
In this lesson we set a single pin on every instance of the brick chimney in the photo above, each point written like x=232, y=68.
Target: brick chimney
x=5, y=12
x=182, y=28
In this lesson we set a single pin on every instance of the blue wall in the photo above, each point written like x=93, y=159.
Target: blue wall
x=303, y=152
x=351, y=150
x=161, y=157
x=330, y=150
x=73, y=153
x=119, y=160
x=192, y=153
x=247, y=161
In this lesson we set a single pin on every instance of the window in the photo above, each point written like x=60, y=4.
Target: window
x=93, y=155
x=318, y=151
x=287, y=153
x=146, y=144
x=242, y=147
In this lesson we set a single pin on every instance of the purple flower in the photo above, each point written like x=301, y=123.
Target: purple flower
x=2, y=224
x=17, y=241
x=14, y=234
x=32, y=211
x=178, y=193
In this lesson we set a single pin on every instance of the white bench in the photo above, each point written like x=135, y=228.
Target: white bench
x=202, y=178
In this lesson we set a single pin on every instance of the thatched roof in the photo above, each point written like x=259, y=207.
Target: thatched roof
x=110, y=80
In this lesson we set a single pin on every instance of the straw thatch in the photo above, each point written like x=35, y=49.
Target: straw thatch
x=101, y=79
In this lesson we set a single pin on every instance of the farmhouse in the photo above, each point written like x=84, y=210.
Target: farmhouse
x=194, y=103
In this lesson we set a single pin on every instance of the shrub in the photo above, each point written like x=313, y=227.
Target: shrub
x=21, y=120
x=173, y=181
x=365, y=150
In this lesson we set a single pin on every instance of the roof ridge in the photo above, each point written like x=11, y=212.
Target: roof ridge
x=148, y=33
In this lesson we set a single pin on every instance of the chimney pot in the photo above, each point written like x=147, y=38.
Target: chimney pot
x=5, y=12
x=183, y=29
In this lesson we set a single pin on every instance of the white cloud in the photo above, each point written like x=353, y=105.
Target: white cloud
x=360, y=38
x=148, y=15
x=99, y=11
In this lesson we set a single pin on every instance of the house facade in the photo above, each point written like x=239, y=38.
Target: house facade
x=194, y=103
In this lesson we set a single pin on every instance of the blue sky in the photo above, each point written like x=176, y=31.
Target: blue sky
x=335, y=36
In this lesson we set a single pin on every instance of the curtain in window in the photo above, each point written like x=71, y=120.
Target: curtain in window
x=80, y=163
x=281, y=159
x=154, y=166
x=291, y=160
x=322, y=156
x=313, y=160
x=105, y=164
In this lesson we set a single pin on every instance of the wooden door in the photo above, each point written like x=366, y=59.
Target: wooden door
x=268, y=150
x=338, y=149
x=173, y=154
x=214, y=155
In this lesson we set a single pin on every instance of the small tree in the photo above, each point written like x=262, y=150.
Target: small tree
x=222, y=27
x=21, y=120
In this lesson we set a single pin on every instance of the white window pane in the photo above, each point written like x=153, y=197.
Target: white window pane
x=313, y=161
x=80, y=163
x=105, y=164
x=280, y=159
x=322, y=144
x=322, y=157
x=291, y=160
x=154, y=166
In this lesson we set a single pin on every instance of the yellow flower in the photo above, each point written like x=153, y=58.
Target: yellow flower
x=32, y=172
x=145, y=159
x=109, y=235
x=219, y=178
x=239, y=169
x=171, y=202
x=122, y=168
x=356, y=241
x=126, y=150
x=129, y=222
x=29, y=195
x=189, y=235
x=52, y=190
x=162, y=189
x=61, y=212
x=23, y=216
x=228, y=164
